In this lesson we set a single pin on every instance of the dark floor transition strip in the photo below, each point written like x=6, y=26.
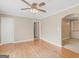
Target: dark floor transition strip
x=4, y=56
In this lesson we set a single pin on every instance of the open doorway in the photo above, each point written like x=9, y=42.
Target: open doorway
x=70, y=32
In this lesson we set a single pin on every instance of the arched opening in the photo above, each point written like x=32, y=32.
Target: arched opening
x=70, y=32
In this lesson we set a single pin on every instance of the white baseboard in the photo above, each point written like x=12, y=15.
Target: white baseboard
x=23, y=41
x=6, y=43
x=17, y=42
x=52, y=43
x=31, y=40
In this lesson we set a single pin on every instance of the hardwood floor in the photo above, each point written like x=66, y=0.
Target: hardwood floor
x=72, y=44
x=35, y=49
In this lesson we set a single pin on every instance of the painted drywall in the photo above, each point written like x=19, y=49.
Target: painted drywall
x=51, y=26
x=65, y=29
x=23, y=29
x=75, y=29
x=51, y=31
x=7, y=30
x=16, y=29
x=0, y=29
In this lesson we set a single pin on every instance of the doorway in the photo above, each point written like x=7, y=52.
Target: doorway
x=36, y=30
x=70, y=32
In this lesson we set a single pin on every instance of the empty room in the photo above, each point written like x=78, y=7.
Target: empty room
x=39, y=28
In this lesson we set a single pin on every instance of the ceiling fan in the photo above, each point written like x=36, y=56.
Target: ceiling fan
x=34, y=7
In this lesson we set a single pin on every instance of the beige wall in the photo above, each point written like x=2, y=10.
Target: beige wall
x=7, y=30
x=51, y=26
x=70, y=31
x=0, y=29
x=65, y=29
x=22, y=29
x=75, y=29
x=51, y=30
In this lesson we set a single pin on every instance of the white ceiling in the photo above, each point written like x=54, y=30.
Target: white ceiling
x=12, y=7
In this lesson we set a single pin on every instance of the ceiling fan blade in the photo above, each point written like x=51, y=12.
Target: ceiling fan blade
x=41, y=10
x=42, y=4
x=26, y=3
x=34, y=4
x=25, y=8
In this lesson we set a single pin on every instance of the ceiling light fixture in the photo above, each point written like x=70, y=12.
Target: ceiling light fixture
x=34, y=11
x=34, y=7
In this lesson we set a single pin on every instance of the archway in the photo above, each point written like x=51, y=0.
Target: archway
x=70, y=32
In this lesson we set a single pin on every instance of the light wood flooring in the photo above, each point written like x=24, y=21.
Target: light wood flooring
x=35, y=49
x=72, y=44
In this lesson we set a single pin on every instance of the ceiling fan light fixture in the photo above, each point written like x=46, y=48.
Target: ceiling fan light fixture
x=34, y=10
x=34, y=7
